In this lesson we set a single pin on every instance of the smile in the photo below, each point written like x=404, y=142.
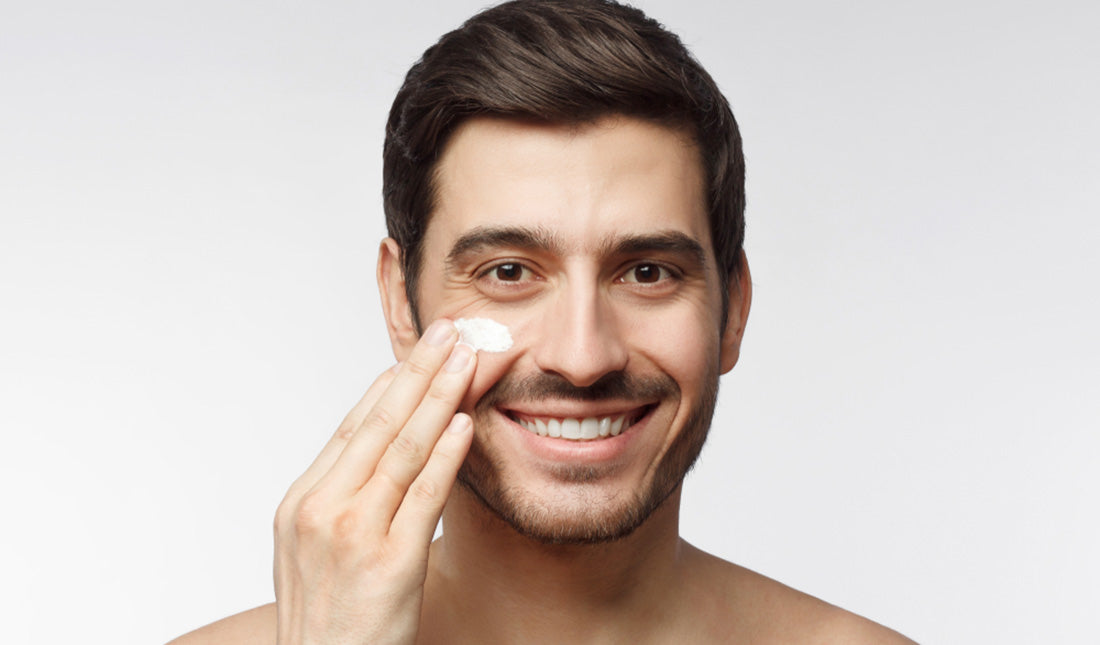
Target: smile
x=579, y=428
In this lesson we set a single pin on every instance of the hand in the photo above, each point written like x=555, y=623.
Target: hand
x=352, y=533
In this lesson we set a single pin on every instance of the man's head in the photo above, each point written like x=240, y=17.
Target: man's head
x=564, y=62
x=567, y=169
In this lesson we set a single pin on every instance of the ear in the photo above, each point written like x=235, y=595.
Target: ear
x=395, y=300
x=740, y=300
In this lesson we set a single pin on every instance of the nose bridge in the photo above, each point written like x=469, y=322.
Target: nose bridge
x=581, y=339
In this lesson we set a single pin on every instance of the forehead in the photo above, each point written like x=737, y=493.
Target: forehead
x=584, y=183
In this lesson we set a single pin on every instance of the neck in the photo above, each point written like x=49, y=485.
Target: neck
x=483, y=573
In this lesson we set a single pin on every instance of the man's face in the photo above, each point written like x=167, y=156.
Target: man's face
x=591, y=244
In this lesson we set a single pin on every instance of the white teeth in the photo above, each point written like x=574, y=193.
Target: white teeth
x=576, y=429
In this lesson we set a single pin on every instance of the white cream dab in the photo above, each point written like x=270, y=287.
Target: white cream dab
x=484, y=334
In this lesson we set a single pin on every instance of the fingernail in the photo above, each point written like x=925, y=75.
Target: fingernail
x=460, y=357
x=439, y=332
x=460, y=423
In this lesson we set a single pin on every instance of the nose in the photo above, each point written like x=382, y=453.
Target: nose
x=582, y=337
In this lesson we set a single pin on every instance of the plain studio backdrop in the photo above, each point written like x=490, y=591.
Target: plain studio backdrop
x=189, y=219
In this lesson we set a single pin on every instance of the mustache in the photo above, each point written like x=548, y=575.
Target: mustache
x=548, y=385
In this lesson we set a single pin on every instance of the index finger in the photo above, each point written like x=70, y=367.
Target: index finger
x=405, y=394
x=346, y=430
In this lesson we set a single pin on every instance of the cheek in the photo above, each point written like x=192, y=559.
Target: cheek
x=686, y=354
x=466, y=306
x=492, y=366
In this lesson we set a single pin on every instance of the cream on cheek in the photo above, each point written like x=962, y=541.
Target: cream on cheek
x=499, y=342
x=484, y=334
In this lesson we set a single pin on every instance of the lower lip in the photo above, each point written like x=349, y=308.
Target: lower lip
x=583, y=452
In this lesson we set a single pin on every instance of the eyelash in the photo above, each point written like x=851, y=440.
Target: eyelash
x=671, y=273
x=487, y=272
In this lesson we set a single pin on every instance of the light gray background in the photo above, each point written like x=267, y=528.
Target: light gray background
x=189, y=217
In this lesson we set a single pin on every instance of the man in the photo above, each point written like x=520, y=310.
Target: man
x=566, y=169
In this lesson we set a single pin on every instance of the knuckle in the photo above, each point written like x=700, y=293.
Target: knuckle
x=346, y=527
x=278, y=525
x=439, y=394
x=388, y=481
x=284, y=512
x=282, y=515
x=317, y=521
x=310, y=514
x=446, y=452
x=379, y=418
x=418, y=367
x=425, y=490
x=406, y=448
x=346, y=431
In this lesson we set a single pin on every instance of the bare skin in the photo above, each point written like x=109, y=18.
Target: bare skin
x=731, y=605
x=590, y=243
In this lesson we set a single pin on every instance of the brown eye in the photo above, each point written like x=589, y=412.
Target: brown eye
x=510, y=272
x=646, y=274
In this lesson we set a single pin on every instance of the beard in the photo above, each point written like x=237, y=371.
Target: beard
x=593, y=516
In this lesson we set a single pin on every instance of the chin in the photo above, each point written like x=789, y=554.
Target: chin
x=581, y=503
x=597, y=488
x=577, y=516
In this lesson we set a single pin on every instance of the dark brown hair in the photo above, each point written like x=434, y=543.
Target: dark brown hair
x=558, y=61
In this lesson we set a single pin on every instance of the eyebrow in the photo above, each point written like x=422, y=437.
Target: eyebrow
x=481, y=238
x=662, y=242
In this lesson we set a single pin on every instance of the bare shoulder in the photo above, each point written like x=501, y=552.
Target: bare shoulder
x=253, y=627
x=746, y=604
x=842, y=627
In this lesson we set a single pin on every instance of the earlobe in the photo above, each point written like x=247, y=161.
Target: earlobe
x=395, y=301
x=740, y=299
